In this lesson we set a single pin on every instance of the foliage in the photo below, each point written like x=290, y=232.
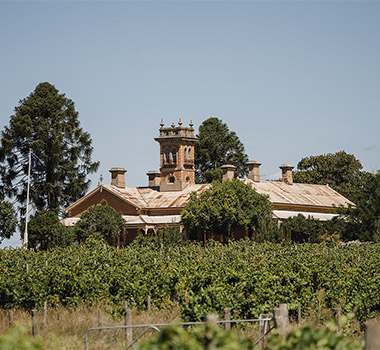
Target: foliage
x=205, y=337
x=102, y=219
x=217, y=146
x=307, y=337
x=309, y=230
x=169, y=236
x=247, y=277
x=47, y=124
x=8, y=220
x=45, y=231
x=18, y=339
x=340, y=170
x=363, y=220
x=227, y=207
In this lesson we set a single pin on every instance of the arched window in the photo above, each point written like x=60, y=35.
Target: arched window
x=174, y=153
x=171, y=179
x=189, y=154
x=167, y=156
x=185, y=155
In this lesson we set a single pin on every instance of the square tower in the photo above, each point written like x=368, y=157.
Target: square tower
x=177, y=167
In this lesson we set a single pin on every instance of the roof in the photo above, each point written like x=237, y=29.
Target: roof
x=300, y=194
x=279, y=193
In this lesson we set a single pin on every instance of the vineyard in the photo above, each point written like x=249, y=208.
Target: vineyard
x=247, y=277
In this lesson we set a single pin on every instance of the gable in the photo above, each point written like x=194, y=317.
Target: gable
x=98, y=197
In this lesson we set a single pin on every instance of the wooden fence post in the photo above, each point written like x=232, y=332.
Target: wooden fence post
x=10, y=318
x=299, y=313
x=128, y=322
x=35, y=330
x=99, y=318
x=281, y=317
x=372, y=336
x=337, y=313
x=227, y=317
x=45, y=313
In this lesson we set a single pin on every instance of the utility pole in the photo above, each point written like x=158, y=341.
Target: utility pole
x=27, y=202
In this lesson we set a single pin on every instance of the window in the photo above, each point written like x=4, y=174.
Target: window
x=171, y=179
x=174, y=154
x=185, y=155
x=167, y=156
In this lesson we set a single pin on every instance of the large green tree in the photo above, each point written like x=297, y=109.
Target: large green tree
x=340, y=170
x=217, y=146
x=228, y=207
x=101, y=219
x=8, y=220
x=46, y=123
x=45, y=231
x=363, y=219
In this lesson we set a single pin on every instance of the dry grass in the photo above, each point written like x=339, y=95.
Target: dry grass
x=66, y=327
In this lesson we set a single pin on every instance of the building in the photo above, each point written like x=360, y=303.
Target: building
x=147, y=209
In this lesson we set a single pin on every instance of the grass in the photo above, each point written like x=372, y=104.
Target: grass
x=66, y=327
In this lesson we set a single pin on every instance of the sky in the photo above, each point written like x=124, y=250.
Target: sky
x=291, y=78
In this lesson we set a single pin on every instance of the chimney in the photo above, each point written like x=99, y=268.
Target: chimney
x=228, y=172
x=287, y=173
x=154, y=178
x=118, y=177
x=254, y=170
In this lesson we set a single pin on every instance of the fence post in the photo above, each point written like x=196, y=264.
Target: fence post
x=35, y=329
x=99, y=318
x=281, y=317
x=128, y=322
x=227, y=317
x=10, y=318
x=299, y=313
x=45, y=313
x=337, y=316
x=148, y=304
x=212, y=318
x=372, y=336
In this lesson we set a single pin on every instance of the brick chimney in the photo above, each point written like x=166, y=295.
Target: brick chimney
x=254, y=170
x=154, y=178
x=228, y=172
x=287, y=173
x=118, y=177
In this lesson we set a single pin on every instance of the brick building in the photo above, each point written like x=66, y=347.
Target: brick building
x=160, y=203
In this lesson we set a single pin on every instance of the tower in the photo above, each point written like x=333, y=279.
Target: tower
x=177, y=169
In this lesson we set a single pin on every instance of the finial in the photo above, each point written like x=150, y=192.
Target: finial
x=191, y=123
x=162, y=123
x=100, y=180
x=180, y=122
x=173, y=125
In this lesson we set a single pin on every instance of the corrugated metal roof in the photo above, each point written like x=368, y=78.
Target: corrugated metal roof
x=278, y=192
x=300, y=194
x=175, y=199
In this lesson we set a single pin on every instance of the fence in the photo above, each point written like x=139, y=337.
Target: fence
x=263, y=320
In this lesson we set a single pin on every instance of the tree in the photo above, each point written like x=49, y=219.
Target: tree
x=309, y=230
x=363, y=219
x=101, y=219
x=217, y=146
x=340, y=170
x=45, y=231
x=227, y=207
x=47, y=124
x=8, y=220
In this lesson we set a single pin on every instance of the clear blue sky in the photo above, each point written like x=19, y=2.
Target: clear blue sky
x=291, y=78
